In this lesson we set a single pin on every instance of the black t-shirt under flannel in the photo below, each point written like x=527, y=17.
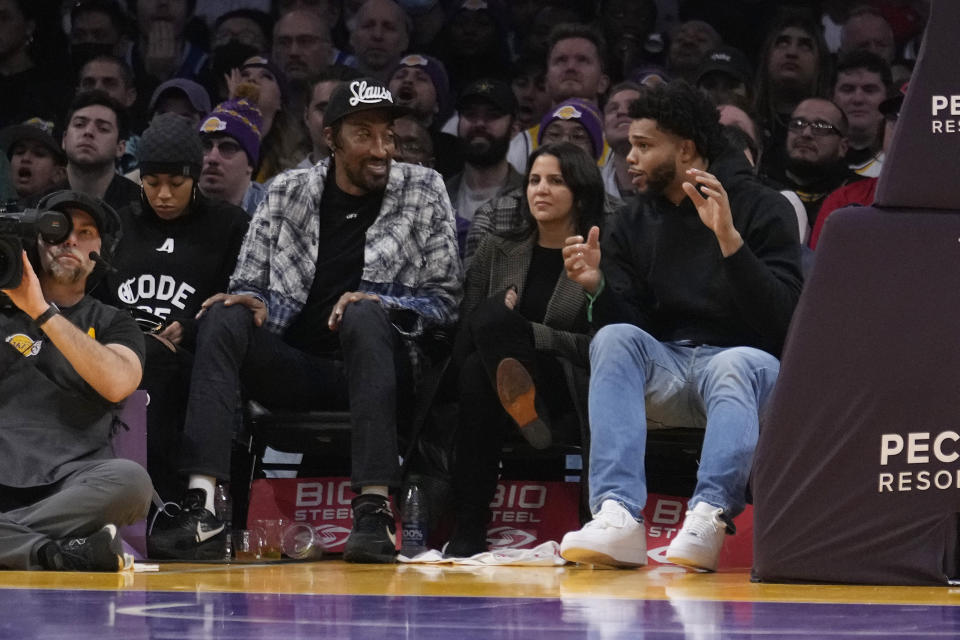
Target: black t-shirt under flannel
x=344, y=220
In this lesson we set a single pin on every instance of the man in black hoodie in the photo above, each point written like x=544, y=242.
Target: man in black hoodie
x=694, y=294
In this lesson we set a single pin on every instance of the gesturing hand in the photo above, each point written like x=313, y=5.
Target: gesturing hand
x=714, y=209
x=233, y=80
x=582, y=260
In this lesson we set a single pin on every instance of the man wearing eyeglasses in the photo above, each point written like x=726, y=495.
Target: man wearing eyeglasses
x=231, y=149
x=816, y=147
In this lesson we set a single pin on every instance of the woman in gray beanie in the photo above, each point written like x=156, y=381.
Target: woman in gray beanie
x=179, y=248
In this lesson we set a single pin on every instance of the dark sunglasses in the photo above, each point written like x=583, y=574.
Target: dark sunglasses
x=227, y=148
x=817, y=127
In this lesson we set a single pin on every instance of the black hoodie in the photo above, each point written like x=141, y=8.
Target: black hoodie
x=169, y=267
x=664, y=271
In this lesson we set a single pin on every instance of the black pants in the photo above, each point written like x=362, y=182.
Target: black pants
x=493, y=332
x=166, y=378
x=371, y=381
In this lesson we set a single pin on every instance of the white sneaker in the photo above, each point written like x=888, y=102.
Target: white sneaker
x=700, y=539
x=613, y=538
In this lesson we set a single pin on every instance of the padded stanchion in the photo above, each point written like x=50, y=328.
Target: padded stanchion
x=857, y=472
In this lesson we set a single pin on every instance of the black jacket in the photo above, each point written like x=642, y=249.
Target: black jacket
x=664, y=271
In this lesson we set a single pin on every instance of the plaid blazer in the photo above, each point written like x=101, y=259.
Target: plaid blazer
x=500, y=262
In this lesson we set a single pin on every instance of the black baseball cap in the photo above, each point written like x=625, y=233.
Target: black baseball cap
x=106, y=219
x=491, y=90
x=36, y=129
x=363, y=94
x=728, y=60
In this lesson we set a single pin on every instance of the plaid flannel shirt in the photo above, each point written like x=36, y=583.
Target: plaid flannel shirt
x=410, y=258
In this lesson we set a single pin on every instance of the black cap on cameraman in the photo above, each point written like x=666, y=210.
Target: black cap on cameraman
x=106, y=219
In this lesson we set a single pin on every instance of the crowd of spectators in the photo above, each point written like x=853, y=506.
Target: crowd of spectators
x=194, y=116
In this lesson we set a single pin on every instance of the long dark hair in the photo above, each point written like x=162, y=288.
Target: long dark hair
x=819, y=85
x=582, y=177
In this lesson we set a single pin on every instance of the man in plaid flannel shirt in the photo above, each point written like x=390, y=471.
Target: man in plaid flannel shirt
x=345, y=264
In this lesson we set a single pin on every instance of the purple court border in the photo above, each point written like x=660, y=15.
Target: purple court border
x=106, y=615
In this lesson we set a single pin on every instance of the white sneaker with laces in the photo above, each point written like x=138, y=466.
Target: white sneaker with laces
x=699, y=541
x=613, y=538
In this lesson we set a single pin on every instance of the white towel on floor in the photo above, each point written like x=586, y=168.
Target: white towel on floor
x=543, y=555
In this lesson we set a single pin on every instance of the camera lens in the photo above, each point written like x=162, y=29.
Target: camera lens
x=54, y=226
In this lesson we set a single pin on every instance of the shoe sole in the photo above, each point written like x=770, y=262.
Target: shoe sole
x=518, y=394
x=690, y=563
x=591, y=556
x=364, y=557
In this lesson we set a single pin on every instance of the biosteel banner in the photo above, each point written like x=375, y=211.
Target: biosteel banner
x=525, y=514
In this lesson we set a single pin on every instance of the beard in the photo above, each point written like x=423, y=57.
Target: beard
x=367, y=181
x=808, y=171
x=66, y=274
x=660, y=177
x=484, y=151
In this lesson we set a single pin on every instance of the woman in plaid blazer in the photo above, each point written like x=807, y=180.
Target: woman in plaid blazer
x=520, y=316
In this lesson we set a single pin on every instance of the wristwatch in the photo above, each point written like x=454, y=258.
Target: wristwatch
x=51, y=311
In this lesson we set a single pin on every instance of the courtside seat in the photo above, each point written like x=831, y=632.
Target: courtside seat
x=319, y=433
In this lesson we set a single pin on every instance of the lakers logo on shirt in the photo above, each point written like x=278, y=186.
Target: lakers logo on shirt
x=24, y=344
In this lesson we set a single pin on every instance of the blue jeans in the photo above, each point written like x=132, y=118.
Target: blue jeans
x=634, y=378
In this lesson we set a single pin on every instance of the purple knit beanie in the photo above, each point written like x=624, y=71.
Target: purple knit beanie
x=584, y=112
x=241, y=120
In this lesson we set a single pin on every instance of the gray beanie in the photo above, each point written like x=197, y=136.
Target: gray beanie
x=170, y=145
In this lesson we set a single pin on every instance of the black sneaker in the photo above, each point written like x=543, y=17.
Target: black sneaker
x=194, y=534
x=469, y=532
x=101, y=551
x=373, y=538
x=466, y=541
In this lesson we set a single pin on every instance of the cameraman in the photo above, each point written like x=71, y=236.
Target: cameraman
x=66, y=360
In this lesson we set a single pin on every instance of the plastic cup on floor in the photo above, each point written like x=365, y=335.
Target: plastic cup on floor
x=246, y=545
x=271, y=538
x=300, y=542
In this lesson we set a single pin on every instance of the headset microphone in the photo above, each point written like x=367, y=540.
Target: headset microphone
x=96, y=257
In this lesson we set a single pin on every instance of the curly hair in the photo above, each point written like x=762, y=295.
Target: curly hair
x=685, y=111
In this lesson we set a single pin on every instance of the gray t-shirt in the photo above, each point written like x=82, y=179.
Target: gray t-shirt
x=49, y=415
